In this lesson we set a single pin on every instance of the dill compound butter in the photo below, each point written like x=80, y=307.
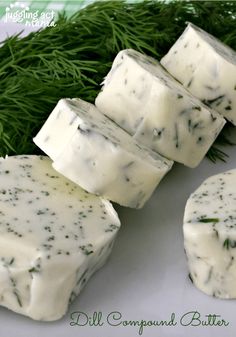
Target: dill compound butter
x=53, y=237
x=140, y=96
x=95, y=153
x=206, y=67
x=210, y=235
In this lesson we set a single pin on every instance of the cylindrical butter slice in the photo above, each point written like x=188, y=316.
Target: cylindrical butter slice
x=210, y=235
x=53, y=237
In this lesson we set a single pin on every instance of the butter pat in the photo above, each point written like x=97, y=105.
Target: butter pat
x=53, y=237
x=92, y=151
x=206, y=67
x=210, y=235
x=140, y=96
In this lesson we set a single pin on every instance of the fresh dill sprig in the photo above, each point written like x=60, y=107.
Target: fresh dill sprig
x=215, y=153
x=71, y=59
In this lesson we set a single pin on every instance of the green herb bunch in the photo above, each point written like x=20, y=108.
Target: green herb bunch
x=72, y=58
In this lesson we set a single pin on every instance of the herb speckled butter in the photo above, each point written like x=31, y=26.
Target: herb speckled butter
x=91, y=150
x=206, y=67
x=140, y=96
x=210, y=235
x=53, y=237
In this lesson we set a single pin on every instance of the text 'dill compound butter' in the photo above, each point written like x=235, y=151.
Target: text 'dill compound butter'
x=116, y=319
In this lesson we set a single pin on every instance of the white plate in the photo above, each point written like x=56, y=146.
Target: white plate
x=146, y=277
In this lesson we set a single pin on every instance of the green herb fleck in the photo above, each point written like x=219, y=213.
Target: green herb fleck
x=17, y=297
x=207, y=220
x=33, y=270
x=229, y=244
x=11, y=261
x=87, y=249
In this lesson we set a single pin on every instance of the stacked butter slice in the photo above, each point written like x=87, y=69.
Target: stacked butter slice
x=206, y=67
x=140, y=96
x=92, y=151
